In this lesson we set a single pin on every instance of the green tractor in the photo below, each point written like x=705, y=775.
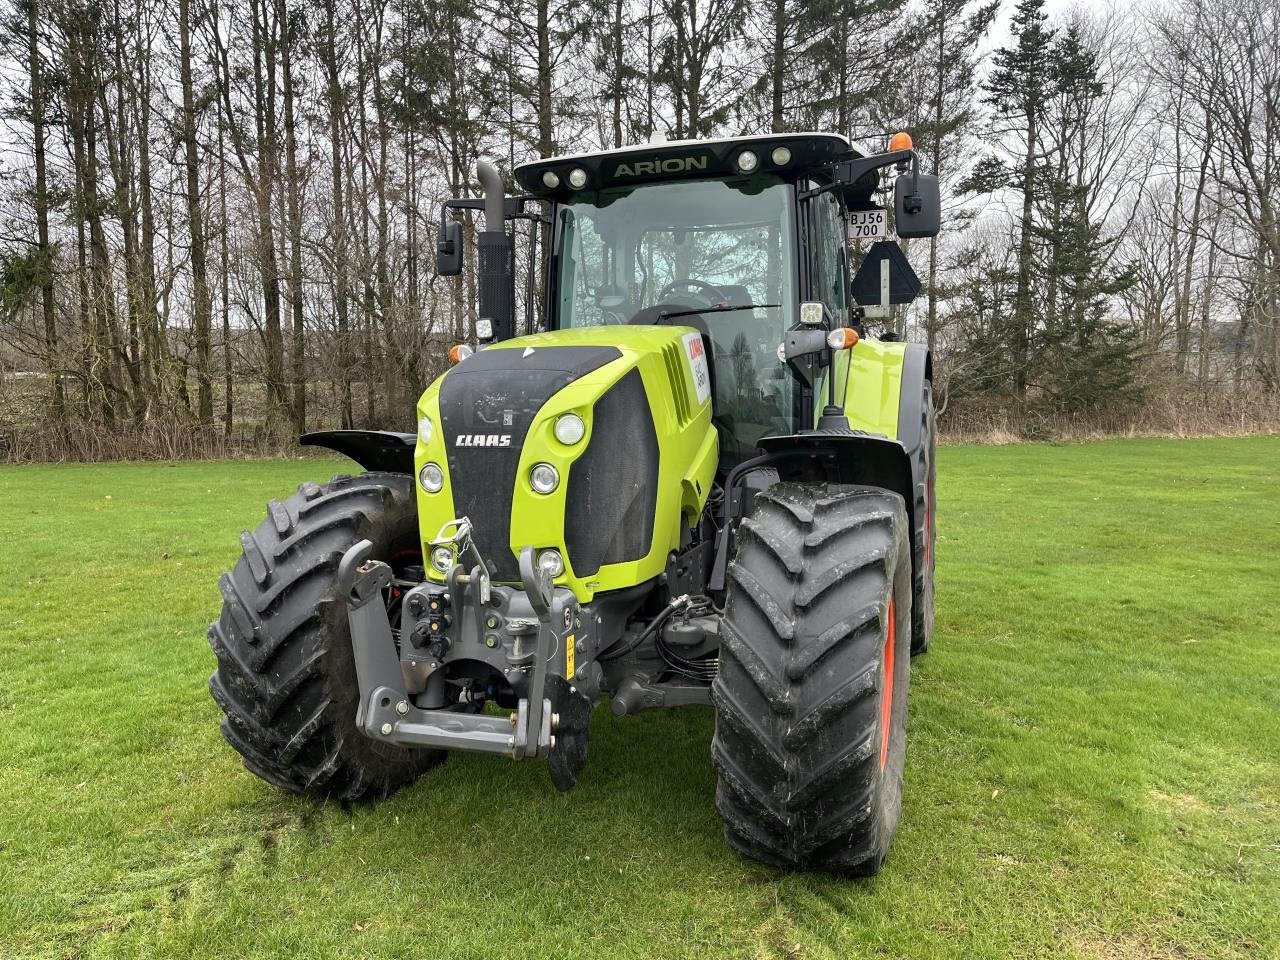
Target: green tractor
x=703, y=483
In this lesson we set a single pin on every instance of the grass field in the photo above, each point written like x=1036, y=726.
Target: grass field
x=1093, y=766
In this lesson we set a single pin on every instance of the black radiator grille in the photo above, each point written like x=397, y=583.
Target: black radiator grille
x=613, y=486
x=487, y=404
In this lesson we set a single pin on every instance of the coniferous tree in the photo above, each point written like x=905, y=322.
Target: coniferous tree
x=1023, y=81
x=1083, y=358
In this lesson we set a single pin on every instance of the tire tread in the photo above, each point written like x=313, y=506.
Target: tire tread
x=285, y=678
x=796, y=747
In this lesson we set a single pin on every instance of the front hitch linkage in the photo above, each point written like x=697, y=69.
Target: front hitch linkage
x=385, y=711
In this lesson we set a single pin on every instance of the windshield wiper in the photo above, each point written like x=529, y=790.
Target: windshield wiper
x=723, y=308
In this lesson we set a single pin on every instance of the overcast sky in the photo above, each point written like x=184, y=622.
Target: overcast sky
x=1054, y=8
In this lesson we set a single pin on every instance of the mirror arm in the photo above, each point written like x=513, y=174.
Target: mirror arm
x=848, y=172
x=513, y=207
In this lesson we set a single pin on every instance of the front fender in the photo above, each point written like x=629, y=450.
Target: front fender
x=855, y=458
x=375, y=450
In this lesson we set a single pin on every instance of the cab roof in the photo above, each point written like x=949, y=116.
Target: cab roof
x=683, y=160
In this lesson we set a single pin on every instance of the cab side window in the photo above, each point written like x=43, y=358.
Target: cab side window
x=831, y=273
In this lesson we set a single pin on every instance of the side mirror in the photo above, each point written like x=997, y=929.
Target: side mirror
x=449, y=249
x=917, y=205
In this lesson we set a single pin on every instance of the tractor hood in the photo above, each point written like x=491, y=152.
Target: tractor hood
x=611, y=501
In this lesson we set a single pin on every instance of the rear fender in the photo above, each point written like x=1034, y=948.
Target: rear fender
x=917, y=368
x=375, y=450
x=885, y=396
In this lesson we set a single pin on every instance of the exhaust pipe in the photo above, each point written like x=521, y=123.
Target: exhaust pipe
x=495, y=273
x=491, y=184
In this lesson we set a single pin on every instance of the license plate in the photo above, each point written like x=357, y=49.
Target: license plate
x=867, y=224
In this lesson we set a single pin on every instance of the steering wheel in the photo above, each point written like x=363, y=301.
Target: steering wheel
x=612, y=310
x=710, y=290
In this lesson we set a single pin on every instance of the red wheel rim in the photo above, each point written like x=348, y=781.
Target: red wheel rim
x=886, y=701
x=928, y=522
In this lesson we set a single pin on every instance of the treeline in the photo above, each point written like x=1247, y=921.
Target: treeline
x=219, y=218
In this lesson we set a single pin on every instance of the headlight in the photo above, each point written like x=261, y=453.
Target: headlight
x=544, y=478
x=442, y=559
x=551, y=563
x=748, y=161
x=550, y=180
x=569, y=429
x=577, y=178
x=431, y=477
x=424, y=430
x=781, y=156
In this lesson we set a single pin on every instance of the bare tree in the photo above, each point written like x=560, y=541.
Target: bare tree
x=1227, y=56
x=202, y=301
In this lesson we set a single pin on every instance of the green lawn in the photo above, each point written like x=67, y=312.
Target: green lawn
x=1093, y=767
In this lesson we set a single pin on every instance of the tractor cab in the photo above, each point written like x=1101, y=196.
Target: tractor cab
x=725, y=236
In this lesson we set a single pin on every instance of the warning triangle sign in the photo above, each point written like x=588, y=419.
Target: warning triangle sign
x=903, y=282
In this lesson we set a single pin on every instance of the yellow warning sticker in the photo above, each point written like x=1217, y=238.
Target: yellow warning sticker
x=568, y=657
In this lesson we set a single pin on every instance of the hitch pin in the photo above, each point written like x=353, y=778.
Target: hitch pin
x=460, y=540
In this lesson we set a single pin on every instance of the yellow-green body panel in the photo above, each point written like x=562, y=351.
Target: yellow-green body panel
x=872, y=393
x=687, y=444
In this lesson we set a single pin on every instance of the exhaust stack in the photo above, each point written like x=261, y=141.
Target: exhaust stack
x=495, y=273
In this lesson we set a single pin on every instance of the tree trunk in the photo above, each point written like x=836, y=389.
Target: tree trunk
x=1206, y=303
x=117, y=140
x=935, y=159
x=618, y=55
x=392, y=348
x=297, y=332
x=228, y=375
x=88, y=348
x=1182, y=331
x=1022, y=297
x=264, y=84
x=777, y=65
x=155, y=360
x=649, y=73
x=337, y=178
x=546, y=139
x=41, y=202
x=202, y=307
x=368, y=324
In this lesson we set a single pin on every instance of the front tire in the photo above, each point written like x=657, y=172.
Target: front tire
x=811, y=696
x=286, y=678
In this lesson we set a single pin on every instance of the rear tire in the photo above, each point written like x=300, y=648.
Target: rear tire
x=286, y=678
x=811, y=696
x=925, y=532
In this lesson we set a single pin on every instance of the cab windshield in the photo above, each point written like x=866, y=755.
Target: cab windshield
x=716, y=255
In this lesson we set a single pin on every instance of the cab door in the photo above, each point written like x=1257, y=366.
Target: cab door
x=829, y=256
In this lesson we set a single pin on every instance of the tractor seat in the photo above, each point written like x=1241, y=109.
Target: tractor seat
x=735, y=294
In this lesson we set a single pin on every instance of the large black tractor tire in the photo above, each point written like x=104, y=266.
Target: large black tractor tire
x=925, y=534
x=286, y=679
x=811, y=696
